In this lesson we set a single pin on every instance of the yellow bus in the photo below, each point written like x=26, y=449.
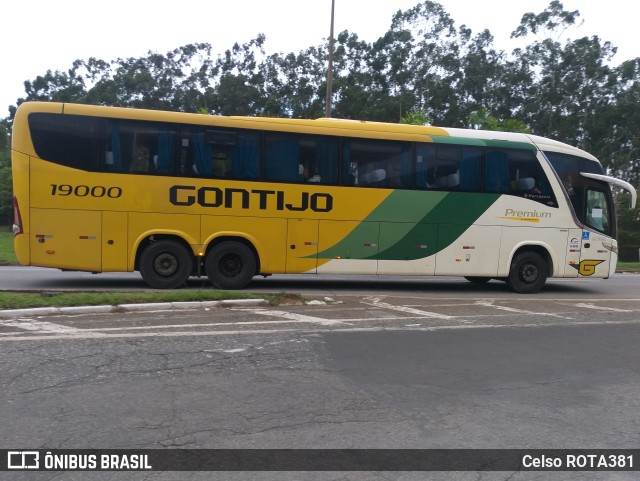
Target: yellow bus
x=174, y=195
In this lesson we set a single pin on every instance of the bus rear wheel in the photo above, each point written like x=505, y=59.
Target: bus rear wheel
x=528, y=274
x=230, y=265
x=166, y=264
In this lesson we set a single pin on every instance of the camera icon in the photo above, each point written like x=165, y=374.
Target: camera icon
x=23, y=460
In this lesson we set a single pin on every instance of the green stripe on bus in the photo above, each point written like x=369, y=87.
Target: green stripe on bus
x=501, y=144
x=414, y=233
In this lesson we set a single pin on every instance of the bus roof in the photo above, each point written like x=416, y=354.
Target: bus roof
x=541, y=143
x=322, y=126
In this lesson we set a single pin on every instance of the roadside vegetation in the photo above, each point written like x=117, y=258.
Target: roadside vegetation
x=24, y=300
x=7, y=255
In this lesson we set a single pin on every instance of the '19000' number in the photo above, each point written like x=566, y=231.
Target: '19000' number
x=86, y=191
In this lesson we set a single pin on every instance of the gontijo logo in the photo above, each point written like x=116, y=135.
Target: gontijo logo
x=262, y=199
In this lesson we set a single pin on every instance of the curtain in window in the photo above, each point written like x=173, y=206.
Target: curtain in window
x=348, y=174
x=245, y=158
x=326, y=157
x=423, y=155
x=496, y=172
x=202, y=155
x=282, y=160
x=470, y=170
x=405, y=162
x=166, y=152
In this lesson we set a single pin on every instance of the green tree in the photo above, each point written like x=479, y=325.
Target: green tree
x=416, y=117
x=570, y=84
x=482, y=119
x=628, y=230
x=6, y=191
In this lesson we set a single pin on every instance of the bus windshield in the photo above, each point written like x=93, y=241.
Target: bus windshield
x=591, y=199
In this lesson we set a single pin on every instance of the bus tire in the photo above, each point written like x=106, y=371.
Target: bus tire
x=477, y=279
x=230, y=265
x=528, y=273
x=166, y=264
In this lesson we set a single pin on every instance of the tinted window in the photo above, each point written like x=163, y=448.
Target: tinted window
x=597, y=212
x=376, y=163
x=517, y=172
x=291, y=158
x=140, y=148
x=218, y=153
x=586, y=195
x=448, y=167
x=71, y=140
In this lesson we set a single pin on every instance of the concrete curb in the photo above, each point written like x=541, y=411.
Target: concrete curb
x=158, y=306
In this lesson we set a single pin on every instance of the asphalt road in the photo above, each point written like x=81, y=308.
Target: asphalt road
x=420, y=365
x=37, y=279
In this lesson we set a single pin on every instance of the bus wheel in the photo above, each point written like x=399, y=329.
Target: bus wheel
x=528, y=272
x=230, y=265
x=477, y=279
x=166, y=264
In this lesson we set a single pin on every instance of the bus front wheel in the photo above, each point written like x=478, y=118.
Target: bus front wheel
x=528, y=272
x=166, y=264
x=230, y=265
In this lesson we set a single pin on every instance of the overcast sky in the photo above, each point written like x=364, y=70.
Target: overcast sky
x=39, y=35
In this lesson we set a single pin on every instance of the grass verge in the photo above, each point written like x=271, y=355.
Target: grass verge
x=24, y=300
x=7, y=254
x=628, y=267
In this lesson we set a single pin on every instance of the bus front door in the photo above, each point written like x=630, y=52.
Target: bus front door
x=595, y=252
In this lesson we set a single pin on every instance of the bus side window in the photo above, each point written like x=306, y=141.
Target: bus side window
x=423, y=164
x=528, y=179
x=470, y=169
x=376, y=163
x=70, y=140
x=496, y=172
x=318, y=161
x=445, y=173
x=140, y=162
x=282, y=158
x=165, y=154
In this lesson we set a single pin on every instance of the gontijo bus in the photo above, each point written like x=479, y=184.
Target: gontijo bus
x=174, y=195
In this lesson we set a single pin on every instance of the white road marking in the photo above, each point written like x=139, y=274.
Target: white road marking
x=490, y=303
x=377, y=302
x=43, y=330
x=39, y=326
x=93, y=336
x=295, y=317
x=601, y=308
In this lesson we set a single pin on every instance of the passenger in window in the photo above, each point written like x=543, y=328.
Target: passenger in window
x=310, y=173
x=221, y=163
x=140, y=162
x=185, y=167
